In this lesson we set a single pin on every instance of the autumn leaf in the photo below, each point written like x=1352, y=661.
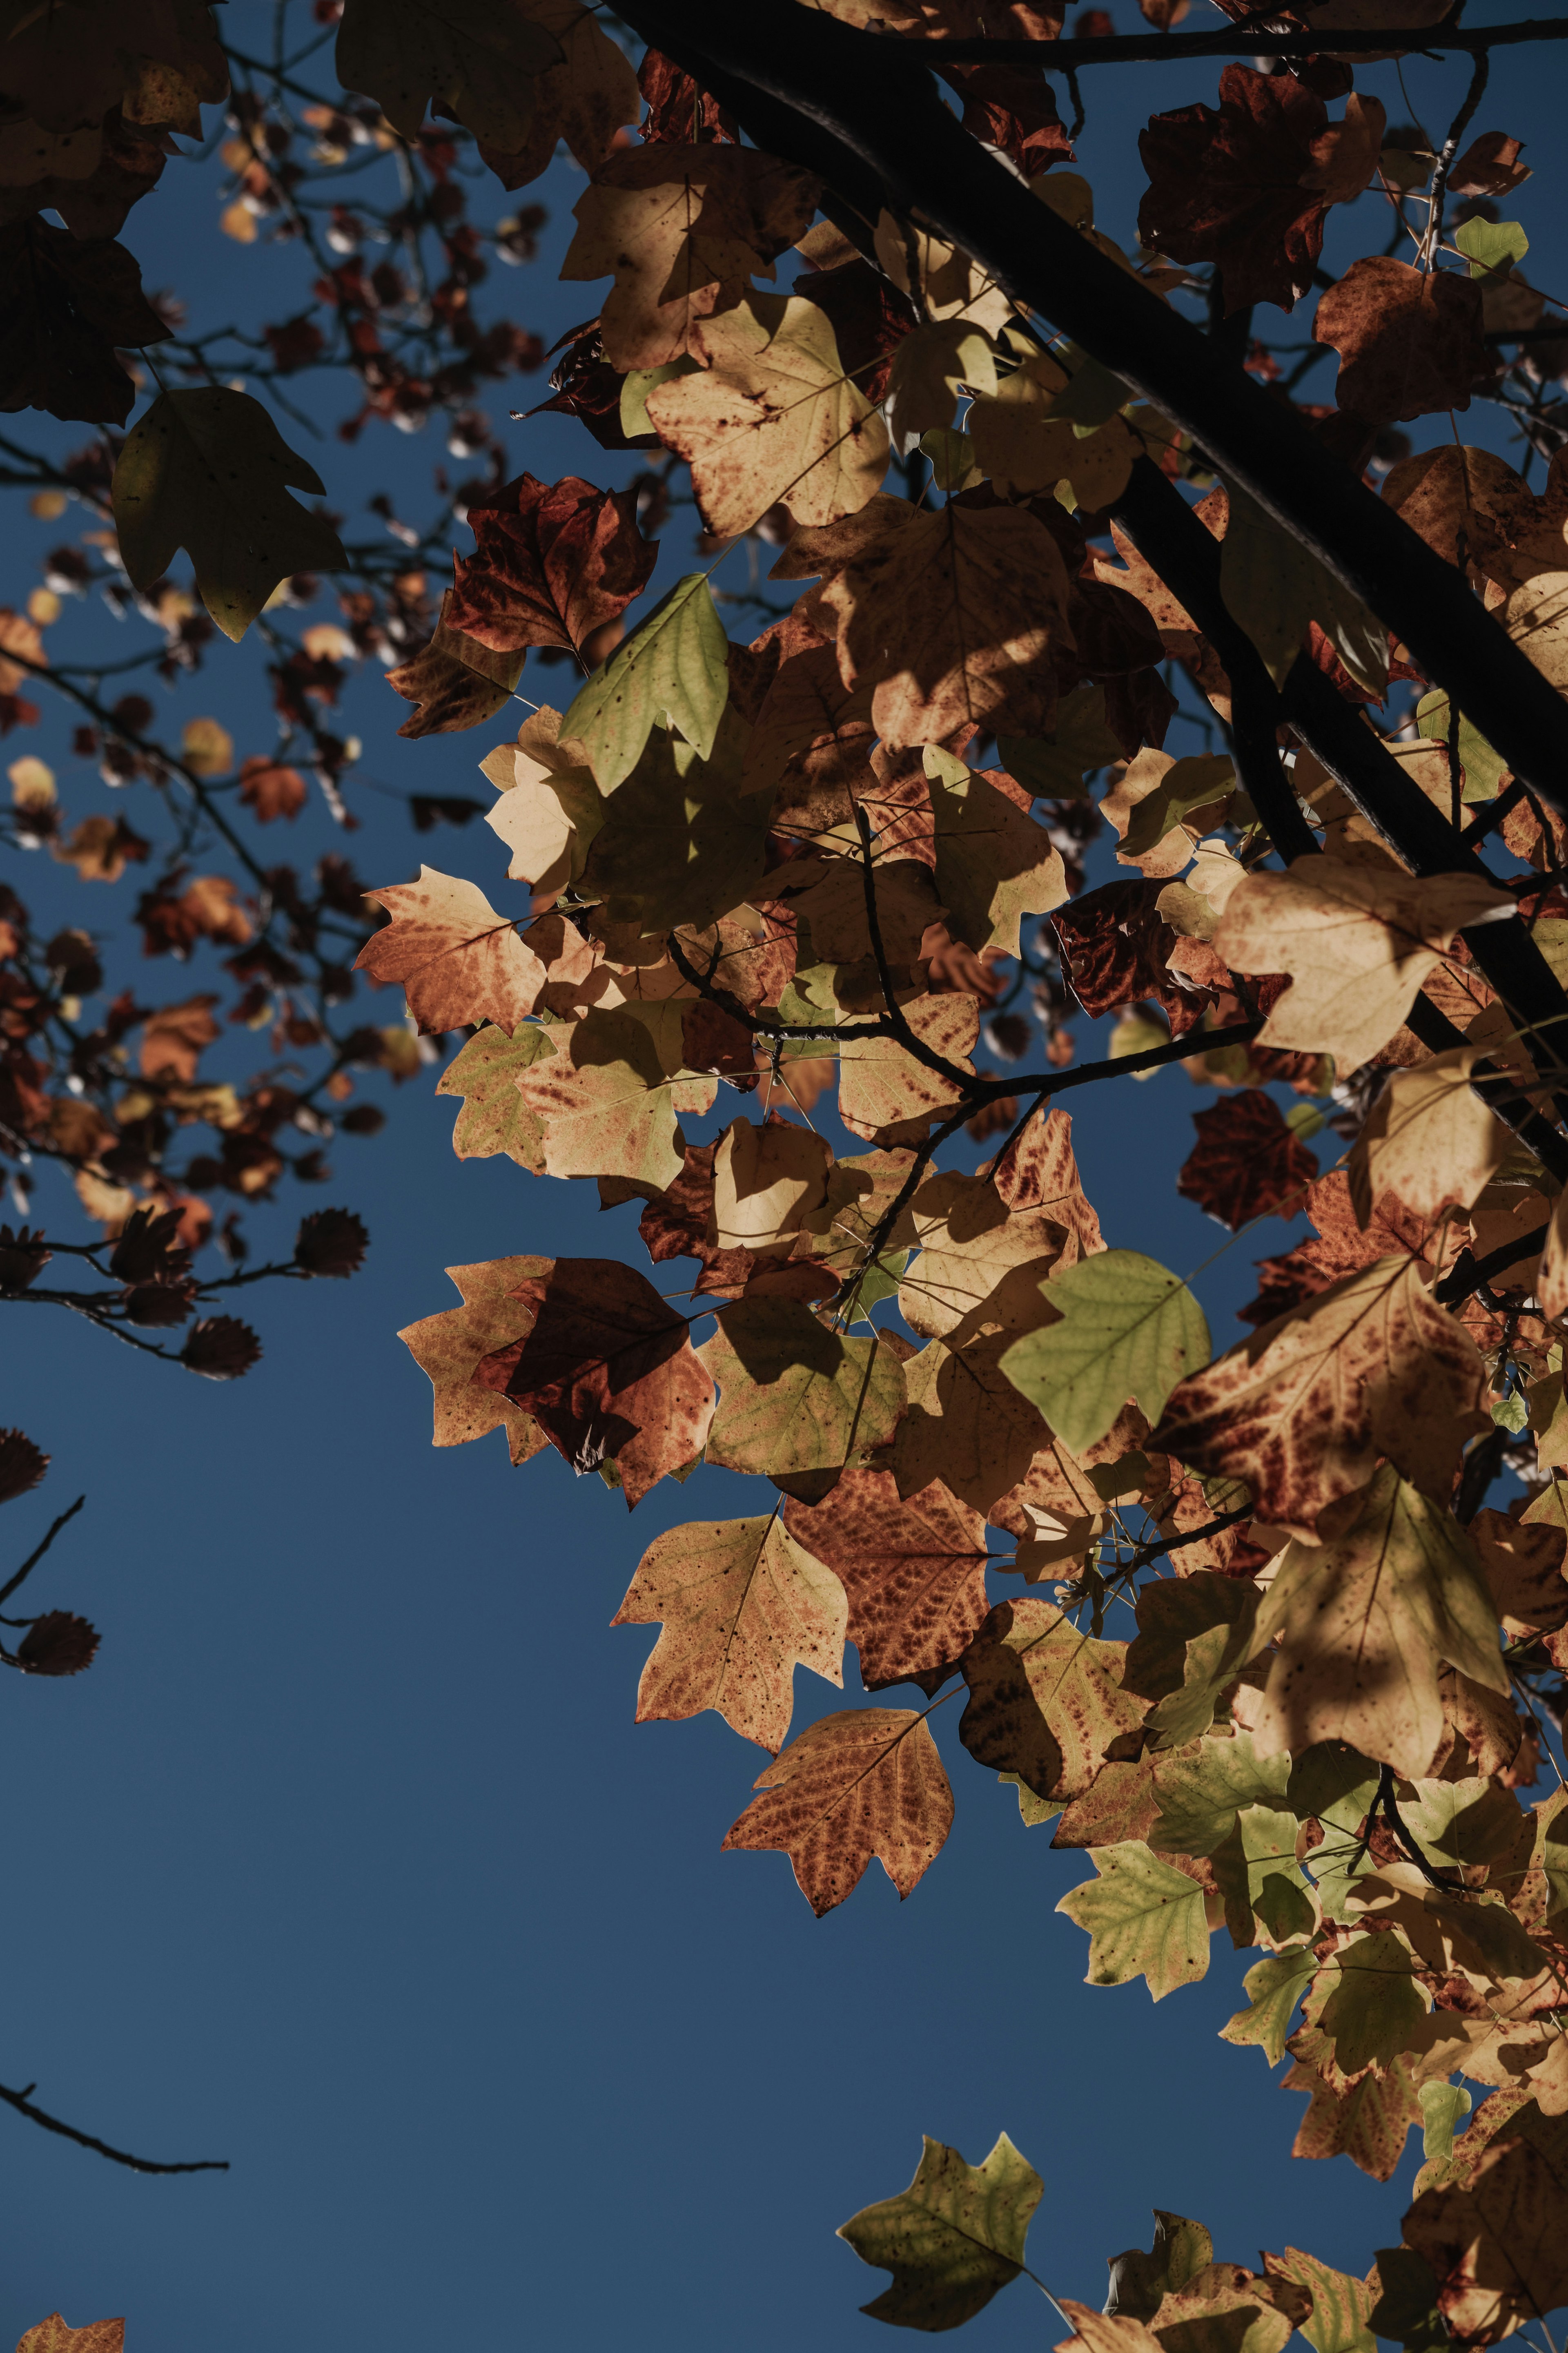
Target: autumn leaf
x=1428, y=1138
x=966, y=1424
x=677, y=844
x=52, y=2336
x=1409, y=340
x=455, y=960
x=951, y=2240
x=450, y=1347
x=798, y=1403
x=1201, y=1793
x=69, y=304
x=1247, y=186
x=742, y=1604
x=271, y=790
x=1274, y=1987
x=865, y=1783
x=608, y=1373
x=1275, y=586
x=672, y=671
x=208, y=470
x=1357, y=941
x=1045, y=1700
x=480, y=58
x=931, y=365
x=554, y=562
x=1248, y=1163
x=993, y=864
x=683, y=229
x=1144, y=1919
x=1127, y=1328
x=1374, y=2006
x=772, y=419
x=606, y=1103
x=585, y=101
x=953, y=619
x=915, y=1572
x=884, y=1093
x=494, y=1117
x=454, y=681
x=767, y=1182
x=1364, y=1622
x=1301, y=1411
x=1495, y=2243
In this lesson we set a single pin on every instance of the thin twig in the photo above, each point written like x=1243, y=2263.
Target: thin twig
x=24, y=2106
x=35, y=1557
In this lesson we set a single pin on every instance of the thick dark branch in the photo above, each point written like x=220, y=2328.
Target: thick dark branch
x=24, y=2106
x=864, y=111
x=1233, y=41
x=1468, y=1273
x=30, y=1564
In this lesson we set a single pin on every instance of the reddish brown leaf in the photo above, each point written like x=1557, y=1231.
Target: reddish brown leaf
x=454, y=681
x=870, y=318
x=1342, y=1247
x=1496, y=2244
x=1246, y=1162
x=1114, y=944
x=57, y=1643
x=1013, y=108
x=1489, y=166
x=52, y=2336
x=448, y=1348
x=174, y=1037
x=866, y=1782
x=607, y=1372
x=1409, y=342
x=1246, y=184
x=554, y=563
x=679, y=111
x=66, y=303
x=457, y=961
x=914, y=1573
x=270, y=789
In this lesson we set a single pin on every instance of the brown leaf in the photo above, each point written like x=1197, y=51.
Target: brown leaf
x=1248, y=1163
x=271, y=790
x=1358, y=942
x=608, y=1373
x=52, y=2336
x=66, y=302
x=1344, y=1247
x=915, y=1572
x=1045, y=1701
x=953, y=619
x=1301, y=1411
x=1247, y=186
x=1489, y=166
x=683, y=228
x=1524, y=1572
x=586, y=100
x=448, y=1347
x=741, y=1606
x=1366, y=2120
x=966, y=1424
x=457, y=961
x=679, y=111
x=57, y=1643
x=174, y=1037
x=554, y=563
x=865, y=1783
x=1409, y=340
x=1496, y=2244
x=455, y=680
x=884, y=1093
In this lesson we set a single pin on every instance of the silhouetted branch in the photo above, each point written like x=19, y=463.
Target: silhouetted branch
x=35, y=1557
x=24, y=2106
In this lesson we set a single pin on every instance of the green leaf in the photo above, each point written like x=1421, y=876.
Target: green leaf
x=1491, y=248
x=1032, y=1811
x=1375, y=2005
x=672, y=671
x=1213, y=1660
x=1472, y=1821
x=1284, y=1906
x=677, y=845
x=1145, y=1920
x=797, y=1403
x=1407, y=2308
x=635, y=387
x=1340, y=2302
x=952, y=456
x=1484, y=768
x=1129, y=1328
x=1273, y=1988
x=1442, y=2106
x=1191, y=784
x=1512, y=1413
x=1140, y=2282
x=952, y=2239
x=1200, y=1796
x=1274, y=586
x=209, y=472
x=1257, y=1872
x=1058, y=767
x=494, y=1117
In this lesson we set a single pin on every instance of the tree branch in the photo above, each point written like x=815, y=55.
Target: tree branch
x=1241, y=40
x=32, y=1558
x=24, y=2106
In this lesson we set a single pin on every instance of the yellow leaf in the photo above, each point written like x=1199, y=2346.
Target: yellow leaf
x=1429, y=1138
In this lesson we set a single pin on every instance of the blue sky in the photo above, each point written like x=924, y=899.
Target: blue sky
x=346, y=1861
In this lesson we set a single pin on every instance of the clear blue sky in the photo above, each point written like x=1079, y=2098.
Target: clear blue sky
x=346, y=1861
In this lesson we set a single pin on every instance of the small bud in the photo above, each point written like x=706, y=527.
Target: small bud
x=57, y=1643
x=159, y=1306
x=331, y=1241
x=220, y=1347
x=22, y=1465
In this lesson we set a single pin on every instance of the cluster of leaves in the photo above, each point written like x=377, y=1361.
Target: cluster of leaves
x=804, y=863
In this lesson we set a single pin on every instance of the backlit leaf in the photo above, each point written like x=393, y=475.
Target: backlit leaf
x=1128, y=1329
x=672, y=671
x=865, y=1783
x=952, y=2239
x=1145, y=1920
